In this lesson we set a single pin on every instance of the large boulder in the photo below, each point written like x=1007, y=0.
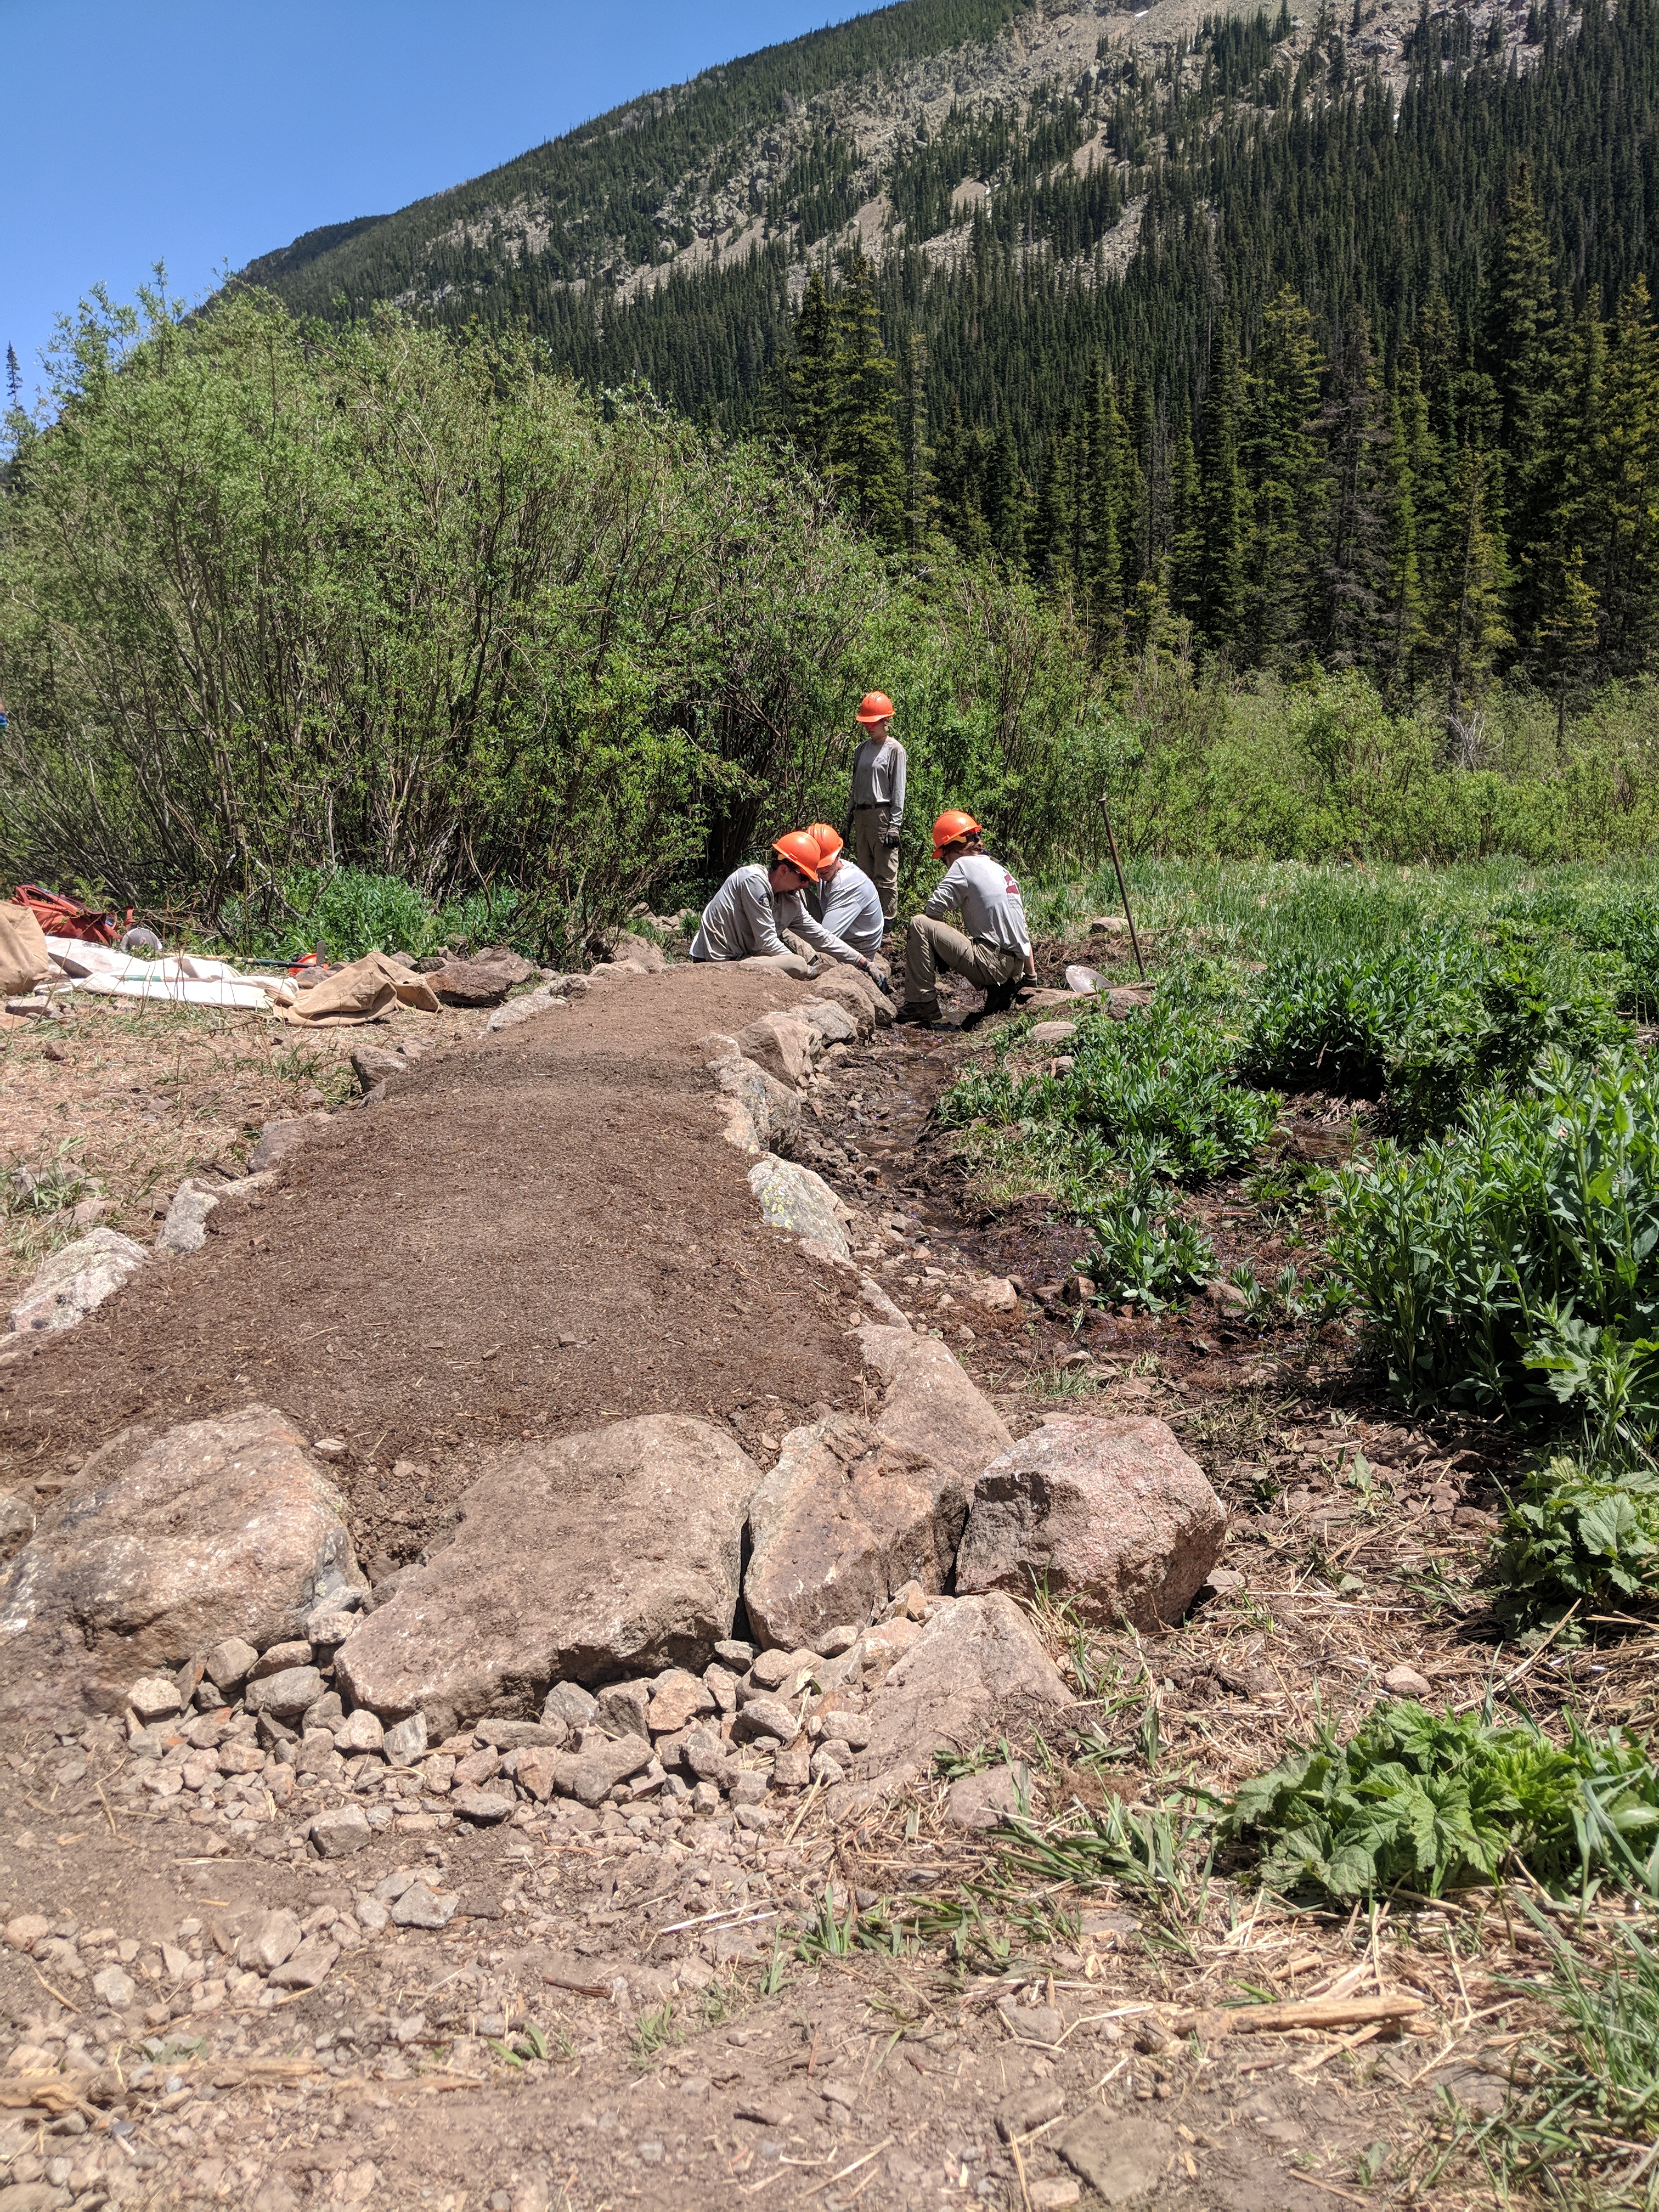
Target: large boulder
x=928, y=1403
x=75, y=1279
x=185, y=1229
x=473, y=982
x=974, y=1660
x=167, y=1546
x=1109, y=1514
x=795, y=1199
x=783, y=1044
x=613, y=1553
x=842, y=1522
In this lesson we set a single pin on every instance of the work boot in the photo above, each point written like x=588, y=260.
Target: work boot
x=923, y=1018
x=1000, y=997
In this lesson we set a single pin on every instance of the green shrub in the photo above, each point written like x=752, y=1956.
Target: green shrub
x=1435, y=1802
x=1514, y=1267
x=353, y=911
x=1143, y=1253
x=1430, y=1019
x=1576, y=1535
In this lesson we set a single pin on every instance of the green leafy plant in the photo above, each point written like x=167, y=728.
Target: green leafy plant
x=1514, y=1267
x=1144, y=1254
x=1578, y=1535
x=531, y=2045
x=1439, y=1801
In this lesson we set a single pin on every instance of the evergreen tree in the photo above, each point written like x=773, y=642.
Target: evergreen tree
x=1522, y=361
x=1465, y=613
x=1353, y=562
x=1107, y=446
x=1050, y=550
x=806, y=394
x=1281, y=460
x=1224, y=501
x=1005, y=501
x=14, y=379
x=1186, y=522
x=1626, y=566
x=960, y=473
x=913, y=438
x=865, y=465
x=1401, y=624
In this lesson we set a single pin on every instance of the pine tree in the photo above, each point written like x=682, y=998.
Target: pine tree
x=960, y=473
x=1005, y=501
x=866, y=465
x=1280, y=455
x=14, y=379
x=1521, y=360
x=1105, y=577
x=1401, y=617
x=1224, y=500
x=1564, y=644
x=1050, y=548
x=1353, y=561
x=918, y=456
x=1626, y=562
x=1185, y=522
x=807, y=389
x=1465, y=614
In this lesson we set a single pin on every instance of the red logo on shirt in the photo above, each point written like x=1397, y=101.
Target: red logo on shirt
x=1009, y=884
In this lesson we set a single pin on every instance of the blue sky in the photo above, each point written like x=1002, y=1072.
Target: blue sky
x=203, y=134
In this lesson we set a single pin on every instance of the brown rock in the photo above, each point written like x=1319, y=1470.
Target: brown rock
x=928, y=1404
x=470, y=983
x=278, y=1139
x=372, y=1064
x=1110, y=1514
x=844, y=1520
x=783, y=1045
x=973, y=1658
x=487, y=1808
x=985, y=1799
x=616, y=1551
x=505, y=962
x=165, y=1547
x=792, y=1768
x=843, y=985
x=675, y=1700
x=1119, y=2155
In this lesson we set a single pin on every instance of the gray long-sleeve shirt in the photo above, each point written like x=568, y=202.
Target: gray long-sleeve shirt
x=842, y=918
x=985, y=896
x=741, y=920
x=878, y=771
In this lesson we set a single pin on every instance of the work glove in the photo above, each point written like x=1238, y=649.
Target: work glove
x=888, y=842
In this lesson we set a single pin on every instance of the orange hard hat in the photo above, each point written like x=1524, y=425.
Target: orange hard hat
x=951, y=824
x=875, y=707
x=828, y=840
x=799, y=849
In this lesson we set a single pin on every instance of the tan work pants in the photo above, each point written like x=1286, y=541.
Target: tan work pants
x=878, y=861
x=931, y=945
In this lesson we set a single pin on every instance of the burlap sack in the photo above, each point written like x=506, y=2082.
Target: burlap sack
x=24, y=958
x=366, y=991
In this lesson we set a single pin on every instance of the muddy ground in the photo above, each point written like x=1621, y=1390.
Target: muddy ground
x=542, y=1230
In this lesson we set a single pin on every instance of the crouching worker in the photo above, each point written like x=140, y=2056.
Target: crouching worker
x=841, y=918
x=742, y=921
x=993, y=948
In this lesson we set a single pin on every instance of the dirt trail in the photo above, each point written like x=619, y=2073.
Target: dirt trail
x=536, y=1232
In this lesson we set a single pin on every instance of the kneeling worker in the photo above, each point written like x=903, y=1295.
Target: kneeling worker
x=743, y=920
x=996, y=949
x=841, y=916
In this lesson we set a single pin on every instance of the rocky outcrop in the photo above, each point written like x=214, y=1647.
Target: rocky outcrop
x=783, y=1044
x=842, y=1522
x=928, y=1404
x=165, y=1547
x=1109, y=1514
x=76, y=1279
x=612, y=1552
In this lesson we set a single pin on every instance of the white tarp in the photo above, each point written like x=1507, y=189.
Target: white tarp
x=181, y=980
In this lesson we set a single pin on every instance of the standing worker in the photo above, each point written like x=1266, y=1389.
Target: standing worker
x=879, y=771
x=742, y=921
x=996, y=949
x=841, y=916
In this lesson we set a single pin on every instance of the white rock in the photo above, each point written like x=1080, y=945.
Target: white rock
x=185, y=1229
x=113, y=1988
x=154, y=1697
x=361, y=1732
x=77, y=1279
x=794, y=1198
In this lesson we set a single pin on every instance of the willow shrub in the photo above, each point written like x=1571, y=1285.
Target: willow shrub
x=381, y=597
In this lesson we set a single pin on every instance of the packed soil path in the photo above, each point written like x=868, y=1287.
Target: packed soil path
x=534, y=1233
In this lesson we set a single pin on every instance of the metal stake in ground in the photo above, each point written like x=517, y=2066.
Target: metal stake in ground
x=1123, y=891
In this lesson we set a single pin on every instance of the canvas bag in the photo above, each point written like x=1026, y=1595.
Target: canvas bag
x=366, y=991
x=24, y=959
